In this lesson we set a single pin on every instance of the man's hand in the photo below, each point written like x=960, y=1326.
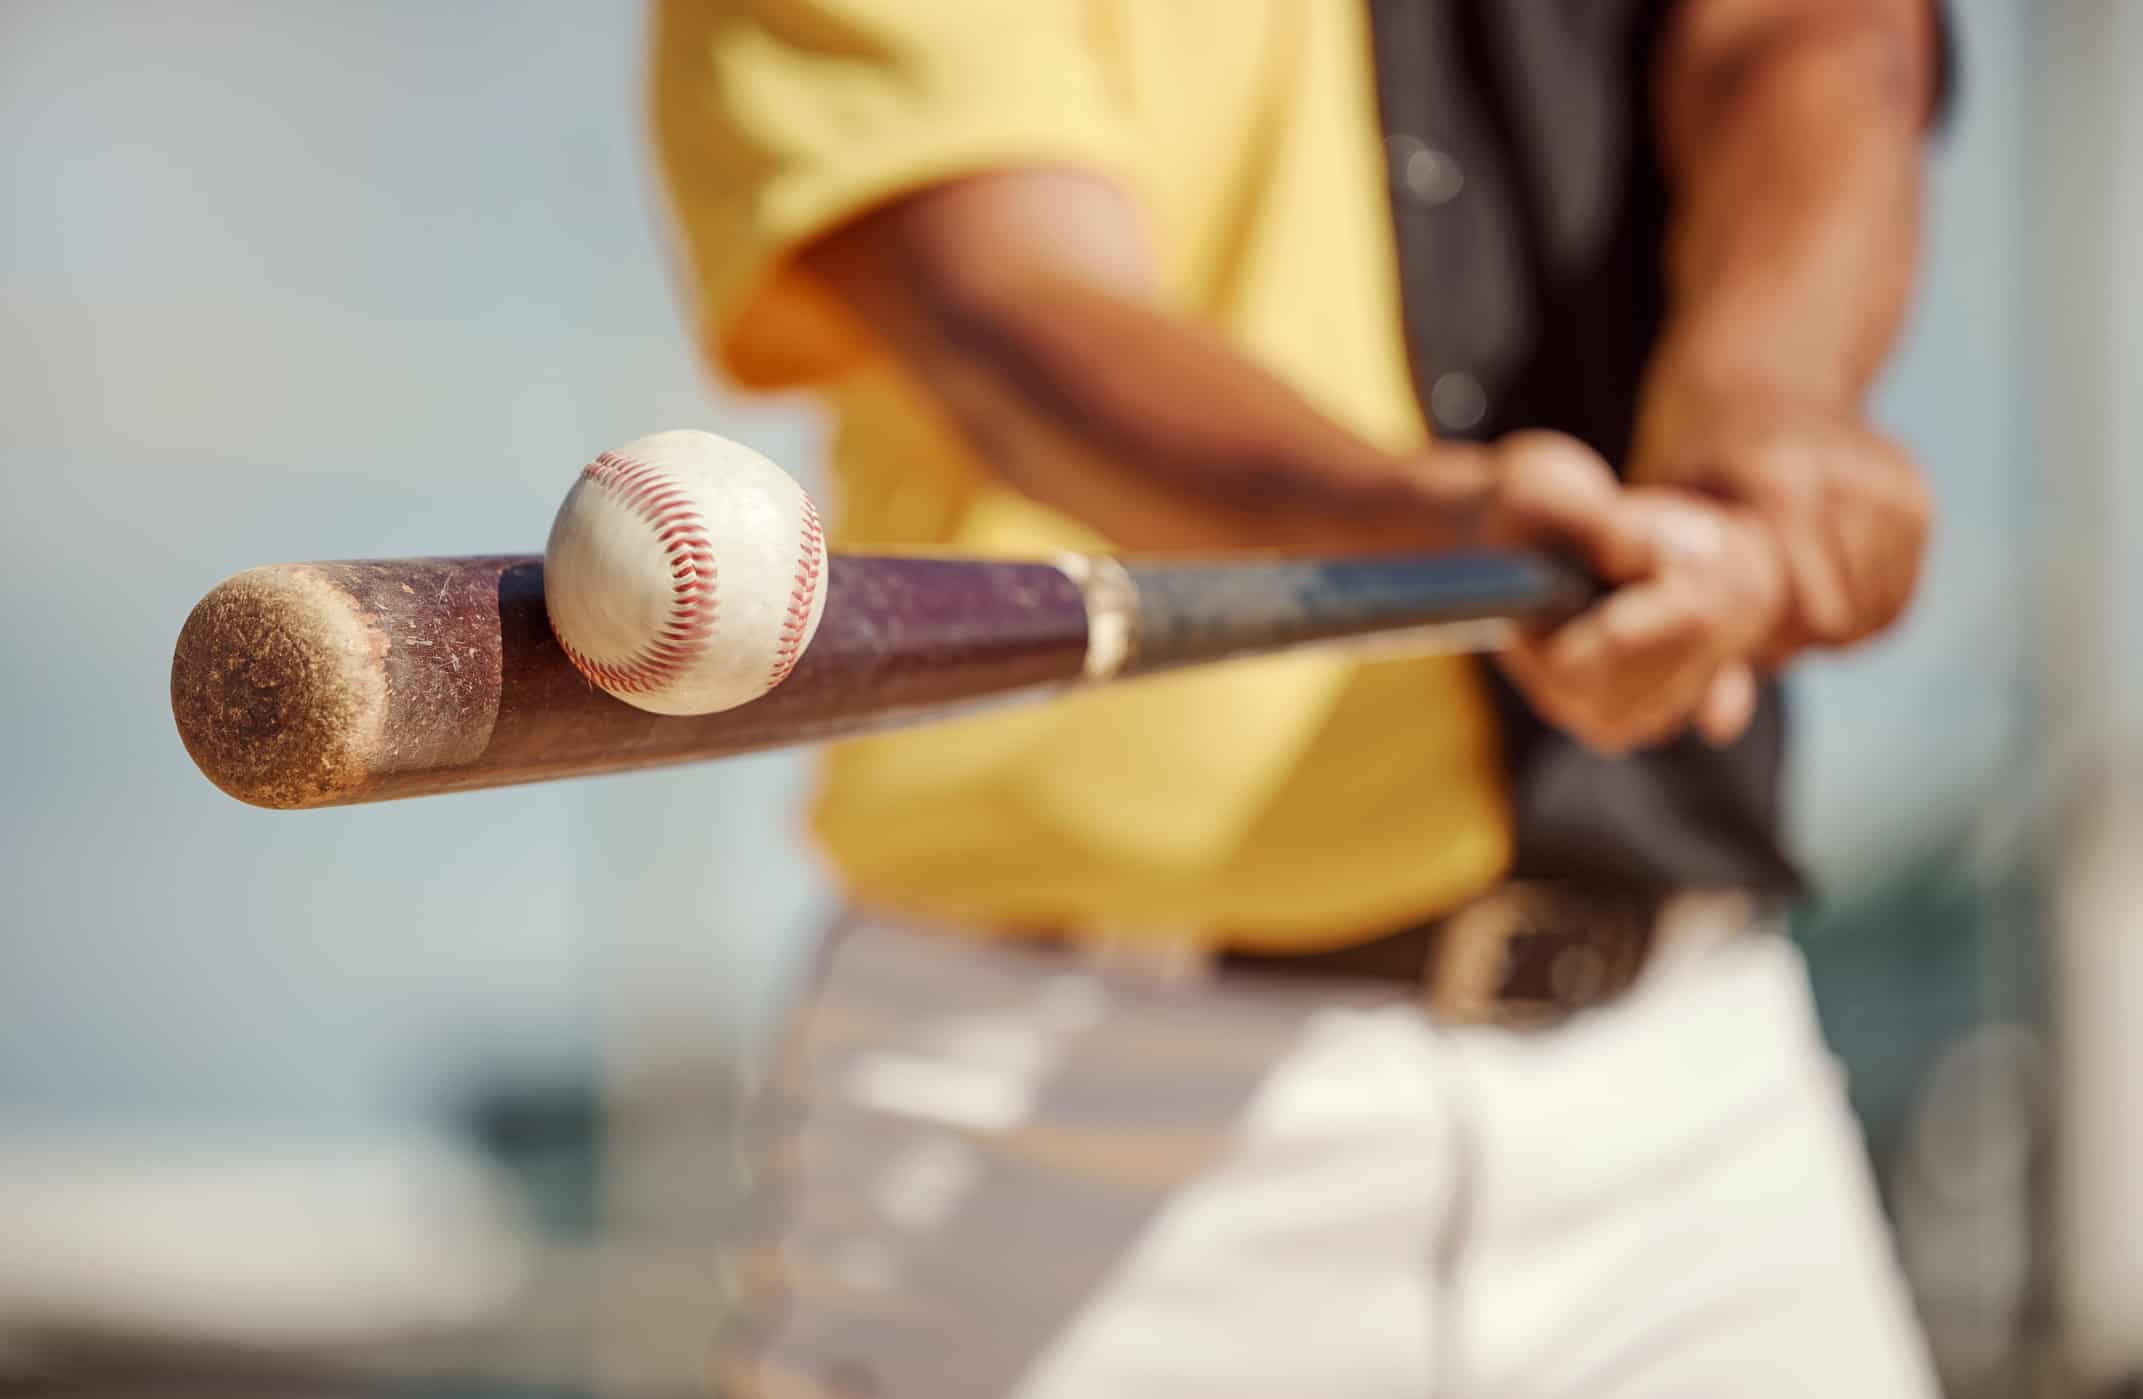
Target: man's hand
x=1850, y=510
x=1697, y=586
x=1791, y=134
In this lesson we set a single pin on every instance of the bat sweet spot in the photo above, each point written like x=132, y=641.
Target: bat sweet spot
x=684, y=573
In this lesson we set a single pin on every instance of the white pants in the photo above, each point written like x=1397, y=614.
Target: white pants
x=991, y=1171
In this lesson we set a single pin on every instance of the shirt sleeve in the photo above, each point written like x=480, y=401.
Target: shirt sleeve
x=777, y=121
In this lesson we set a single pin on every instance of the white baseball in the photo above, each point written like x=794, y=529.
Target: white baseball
x=685, y=574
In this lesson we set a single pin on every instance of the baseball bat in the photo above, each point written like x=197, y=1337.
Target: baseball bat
x=325, y=684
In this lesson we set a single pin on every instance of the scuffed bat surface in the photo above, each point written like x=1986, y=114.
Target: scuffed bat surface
x=321, y=684
x=277, y=689
x=302, y=685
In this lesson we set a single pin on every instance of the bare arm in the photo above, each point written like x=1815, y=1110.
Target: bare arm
x=1793, y=133
x=1023, y=301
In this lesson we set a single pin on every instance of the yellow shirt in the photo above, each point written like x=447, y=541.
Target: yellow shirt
x=1290, y=802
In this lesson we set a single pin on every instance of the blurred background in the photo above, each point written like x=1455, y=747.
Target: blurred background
x=436, y=1097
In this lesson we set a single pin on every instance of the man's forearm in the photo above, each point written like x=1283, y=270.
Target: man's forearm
x=1792, y=131
x=1022, y=305
x=1794, y=151
x=1166, y=436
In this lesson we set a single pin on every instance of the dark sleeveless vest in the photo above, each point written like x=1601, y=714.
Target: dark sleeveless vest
x=1531, y=215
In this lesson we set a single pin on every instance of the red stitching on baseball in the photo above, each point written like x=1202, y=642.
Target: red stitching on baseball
x=810, y=562
x=666, y=505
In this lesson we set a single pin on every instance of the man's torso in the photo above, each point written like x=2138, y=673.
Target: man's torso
x=1493, y=210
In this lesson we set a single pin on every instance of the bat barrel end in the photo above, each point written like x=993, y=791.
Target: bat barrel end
x=278, y=688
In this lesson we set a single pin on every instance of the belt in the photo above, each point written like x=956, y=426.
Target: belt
x=1529, y=952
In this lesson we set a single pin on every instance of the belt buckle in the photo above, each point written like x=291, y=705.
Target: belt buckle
x=1530, y=954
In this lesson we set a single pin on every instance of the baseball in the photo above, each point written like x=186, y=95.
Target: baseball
x=685, y=574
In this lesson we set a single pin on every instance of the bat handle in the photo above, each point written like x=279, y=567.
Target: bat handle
x=1187, y=614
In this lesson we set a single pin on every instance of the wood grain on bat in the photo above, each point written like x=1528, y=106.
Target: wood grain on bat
x=321, y=684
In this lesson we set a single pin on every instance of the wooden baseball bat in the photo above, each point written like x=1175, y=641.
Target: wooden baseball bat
x=324, y=684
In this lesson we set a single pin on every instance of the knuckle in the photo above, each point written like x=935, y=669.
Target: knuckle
x=1548, y=458
x=1833, y=630
x=1675, y=626
x=1697, y=621
x=1825, y=615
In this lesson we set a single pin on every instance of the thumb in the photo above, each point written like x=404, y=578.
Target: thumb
x=1558, y=492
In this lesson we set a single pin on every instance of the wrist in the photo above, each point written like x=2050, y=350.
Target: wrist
x=1748, y=354
x=1701, y=393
